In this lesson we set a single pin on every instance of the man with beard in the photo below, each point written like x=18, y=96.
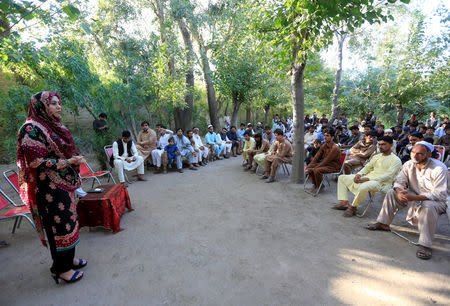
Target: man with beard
x=422, y=186
x=378, y=174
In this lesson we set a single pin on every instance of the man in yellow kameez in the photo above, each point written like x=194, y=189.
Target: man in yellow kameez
x=248, y=145
x=378, y=174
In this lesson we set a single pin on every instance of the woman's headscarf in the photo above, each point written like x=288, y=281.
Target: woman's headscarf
x=38, y=111
x=32, y=151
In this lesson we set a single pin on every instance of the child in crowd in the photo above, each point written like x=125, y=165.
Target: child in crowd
x=171, y=150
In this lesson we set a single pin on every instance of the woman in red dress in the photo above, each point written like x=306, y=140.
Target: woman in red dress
x=48, y=176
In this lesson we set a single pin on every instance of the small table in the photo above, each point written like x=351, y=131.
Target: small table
x=104, y=208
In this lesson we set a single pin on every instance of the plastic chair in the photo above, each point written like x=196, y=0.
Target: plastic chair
x=17, y=211
x=344, y=156
x=86, y=172
x=441, y=150
x=109, y=153
x=12, y=178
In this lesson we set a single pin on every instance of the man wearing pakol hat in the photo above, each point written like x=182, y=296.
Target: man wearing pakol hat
x=422, y=185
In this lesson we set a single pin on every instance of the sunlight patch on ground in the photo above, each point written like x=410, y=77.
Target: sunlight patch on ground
x=368, y=278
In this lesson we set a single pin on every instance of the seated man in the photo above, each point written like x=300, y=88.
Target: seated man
x=268, y=135
x=214, y=142
x=240, y=132
x=235, y=143
x=197, y=153
x=146, y=141
x=163, y=141
x=360, y=152
x=378, y=174
x=445, y=141
x=327, y=160
x=309, y=138
x=405, y=153
x=430, y=133
x=403, y=139
x=310, y=154
x=422, y=186
x=248, y=145
x=353, y=139
x=227, y=143
x=185, y=149
x=282, y=153
x=261, y=146
x=128, y=158
x=203, y=154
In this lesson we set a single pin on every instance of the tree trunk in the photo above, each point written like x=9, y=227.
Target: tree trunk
x=335, y=109
x=236, y=106
x=210, y=91
x=400, y=113
x=162, y=25
x=266, y=114
x=298, y=101
x=183, y=116
x=248, y=114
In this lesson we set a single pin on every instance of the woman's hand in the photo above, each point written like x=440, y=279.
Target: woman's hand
x=76, y=160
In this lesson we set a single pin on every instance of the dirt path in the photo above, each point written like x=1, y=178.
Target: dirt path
x=220, y=236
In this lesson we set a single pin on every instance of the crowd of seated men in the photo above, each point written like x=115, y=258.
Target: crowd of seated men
x=401, y=162
x=405, y=162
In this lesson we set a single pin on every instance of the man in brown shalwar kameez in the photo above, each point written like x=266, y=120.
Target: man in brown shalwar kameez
x=282, y=153
x=423, y=186
x=326, y=160
x=146, y=141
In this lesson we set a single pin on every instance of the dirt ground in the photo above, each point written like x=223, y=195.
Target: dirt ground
x=220, y=236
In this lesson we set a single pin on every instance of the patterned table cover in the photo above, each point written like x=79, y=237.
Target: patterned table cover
x=104, y=208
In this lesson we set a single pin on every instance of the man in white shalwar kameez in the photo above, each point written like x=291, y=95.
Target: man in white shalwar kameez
x=158, y=152
x=203, y=154
x=422, y=185
x=126, y=157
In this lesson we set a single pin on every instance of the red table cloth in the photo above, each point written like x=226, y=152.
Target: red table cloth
x=104, y=208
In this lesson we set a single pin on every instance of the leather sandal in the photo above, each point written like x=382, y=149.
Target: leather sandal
x=378, y=227
x=340, y=206
x=423, y=252
x=350, y=211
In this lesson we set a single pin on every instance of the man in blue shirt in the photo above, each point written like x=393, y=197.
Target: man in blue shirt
x=211, y=139
x=185, y=149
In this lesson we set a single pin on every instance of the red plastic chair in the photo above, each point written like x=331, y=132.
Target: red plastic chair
x=17, y=211
x=12, y=178
x=86, y=172
x=441, y=150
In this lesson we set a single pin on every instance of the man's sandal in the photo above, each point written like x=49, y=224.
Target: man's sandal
x=378, y=227
x=423, y=252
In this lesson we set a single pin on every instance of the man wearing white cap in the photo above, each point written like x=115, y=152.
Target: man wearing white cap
x=422, y=186
x=213, y=141
x=203, y=150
